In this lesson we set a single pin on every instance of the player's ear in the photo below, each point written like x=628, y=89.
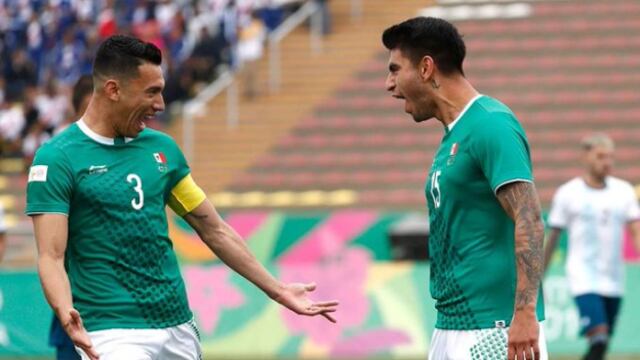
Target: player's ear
x=111, y=89
x=426, y=68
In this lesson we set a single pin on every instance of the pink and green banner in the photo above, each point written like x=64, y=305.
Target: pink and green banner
x=307, y=237
x=385, y=310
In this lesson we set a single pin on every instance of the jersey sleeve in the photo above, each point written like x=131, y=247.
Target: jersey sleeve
x=633, y=209
x=558, y=214
x=180, y=169
x=501, y=149
x=50, y=183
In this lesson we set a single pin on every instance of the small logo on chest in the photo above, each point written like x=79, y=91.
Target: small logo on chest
x=98, y=169
x=161, y=160
x=452, y=154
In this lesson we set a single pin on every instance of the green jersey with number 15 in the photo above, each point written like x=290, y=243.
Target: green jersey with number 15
x=119, y=258
x=471, y=240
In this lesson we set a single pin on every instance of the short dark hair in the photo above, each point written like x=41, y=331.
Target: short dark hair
x=82, y=88
x=428, y=36
x=120, y=55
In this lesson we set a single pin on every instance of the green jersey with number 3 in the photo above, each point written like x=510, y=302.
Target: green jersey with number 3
x=471, y=240
x=119, y=258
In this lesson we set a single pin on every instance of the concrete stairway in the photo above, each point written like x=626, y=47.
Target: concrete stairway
x=222, y=153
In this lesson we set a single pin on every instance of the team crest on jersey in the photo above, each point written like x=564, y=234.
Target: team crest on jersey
x=452, y=154
x=161, y=160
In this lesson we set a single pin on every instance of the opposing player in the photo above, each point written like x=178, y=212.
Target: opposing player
x=486, y=231
x=595, y=209
x=97, y=194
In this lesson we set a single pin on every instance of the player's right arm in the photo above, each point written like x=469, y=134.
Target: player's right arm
x=189, y=201
x=51, y=232
x=49, y=192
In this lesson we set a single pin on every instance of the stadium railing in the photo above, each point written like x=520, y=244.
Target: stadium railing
x=311, y=12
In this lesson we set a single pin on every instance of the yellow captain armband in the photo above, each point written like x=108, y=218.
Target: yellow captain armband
x=186, y=196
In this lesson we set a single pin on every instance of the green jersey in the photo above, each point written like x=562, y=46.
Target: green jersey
x=119, y=258
x=471, y=240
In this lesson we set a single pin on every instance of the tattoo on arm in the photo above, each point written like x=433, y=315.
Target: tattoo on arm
x=520, y=201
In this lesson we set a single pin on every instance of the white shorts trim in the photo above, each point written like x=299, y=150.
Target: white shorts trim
x=476, y=344
x=176, y=342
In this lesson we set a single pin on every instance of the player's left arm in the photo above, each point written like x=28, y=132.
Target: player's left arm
x=189, y=201
x=634, y=228
x=520, y=201
x=632, y=215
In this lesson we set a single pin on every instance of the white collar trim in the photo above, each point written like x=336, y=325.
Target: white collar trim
x=466, y=107
x=95, y=136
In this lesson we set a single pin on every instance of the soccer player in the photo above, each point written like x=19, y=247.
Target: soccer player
x=486, y=231
x=97, y=194
x=58, y=338
x=595, y=209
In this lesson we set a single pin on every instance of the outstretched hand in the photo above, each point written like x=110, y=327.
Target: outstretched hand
x=295, y=297
x=72, y=324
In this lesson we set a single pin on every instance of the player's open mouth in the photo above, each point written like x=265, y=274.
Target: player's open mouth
x=142, y=123
x=399, y=97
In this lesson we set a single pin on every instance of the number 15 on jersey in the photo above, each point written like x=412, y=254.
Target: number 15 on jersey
x=435, y=188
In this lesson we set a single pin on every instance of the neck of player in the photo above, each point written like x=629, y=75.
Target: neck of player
x=99, y=118
x=595, y=181
x=452, y=96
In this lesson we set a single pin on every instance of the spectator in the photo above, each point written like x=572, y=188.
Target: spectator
x=250, y=50
x=12, y=121
x=107, y=21
x=205, y=56
x=229, y=29
x=272, y=15
x=53, y=106
x=66, y=58
x=36, y=136
x=19, y=74
x=44, y=41
x=178, y=86
x=35, y=43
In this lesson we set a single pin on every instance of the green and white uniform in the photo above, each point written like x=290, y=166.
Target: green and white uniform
x=471, y=241
x=119, y=258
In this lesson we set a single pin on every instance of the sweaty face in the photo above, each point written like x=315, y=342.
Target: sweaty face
x=599, y=161
x=404, y=82
x=141, y=99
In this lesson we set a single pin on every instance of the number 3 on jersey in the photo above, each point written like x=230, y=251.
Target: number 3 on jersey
x=137, y=187
x=435, y=188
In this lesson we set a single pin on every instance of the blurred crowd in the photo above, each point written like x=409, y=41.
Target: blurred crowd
x=47, y=45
